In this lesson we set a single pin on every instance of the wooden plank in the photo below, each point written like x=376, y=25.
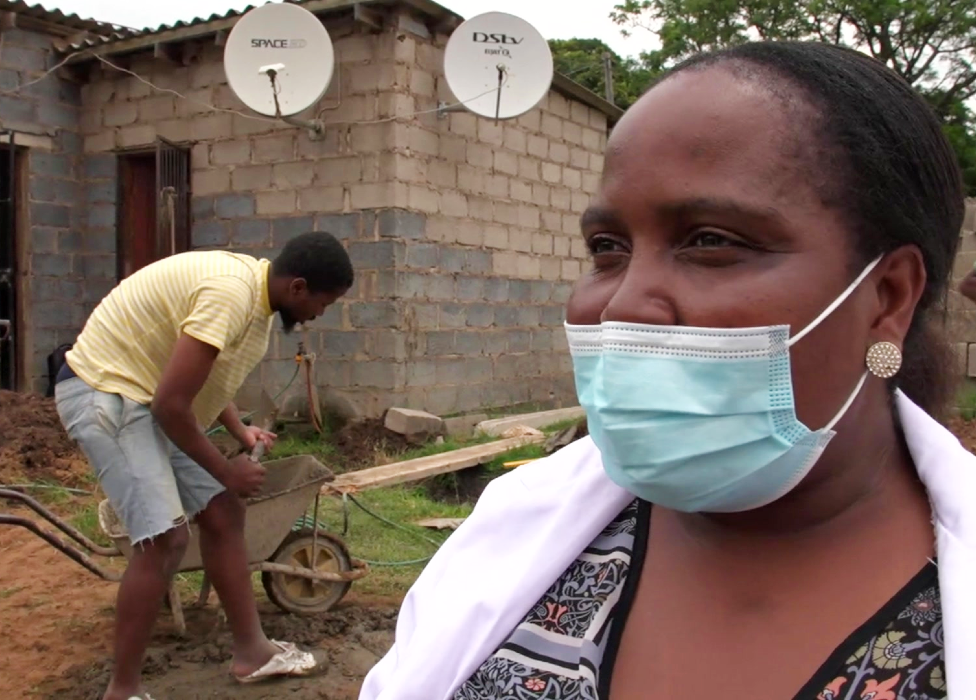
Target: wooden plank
x=424, y=467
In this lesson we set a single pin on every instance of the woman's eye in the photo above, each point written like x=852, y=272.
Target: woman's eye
x=711, y=239
x=603, y=244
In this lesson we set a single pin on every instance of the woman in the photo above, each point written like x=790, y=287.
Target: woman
x=753, y=516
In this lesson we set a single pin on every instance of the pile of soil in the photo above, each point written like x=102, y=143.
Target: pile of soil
x=355, y=636
x=457, y=488
x=965, y=431
x=365, y=443
x=33, y=445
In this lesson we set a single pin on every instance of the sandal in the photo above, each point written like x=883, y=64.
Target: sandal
x=290, y=661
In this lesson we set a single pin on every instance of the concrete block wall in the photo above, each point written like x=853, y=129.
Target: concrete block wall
x=962, y=311
x=59, y=270
x=485, y=281
x=257, y=183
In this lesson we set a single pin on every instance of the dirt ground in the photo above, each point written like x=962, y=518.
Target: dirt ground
x=56, y=618
x=360, y=442
x=33, y=446
x=355, y=635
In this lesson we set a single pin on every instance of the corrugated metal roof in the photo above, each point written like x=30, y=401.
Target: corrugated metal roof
x=127, y=33
x=123, y=34
x=71, y=21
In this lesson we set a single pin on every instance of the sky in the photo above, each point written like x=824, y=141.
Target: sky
x=588, y=18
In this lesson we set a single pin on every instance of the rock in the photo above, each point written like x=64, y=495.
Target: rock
x=412, y=424
x=533, y=420
x=521, y=431
x=463, y=426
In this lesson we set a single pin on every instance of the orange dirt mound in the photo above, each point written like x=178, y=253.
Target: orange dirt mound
x=34, y=446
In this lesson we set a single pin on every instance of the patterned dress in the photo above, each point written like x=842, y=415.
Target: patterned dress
x=565, y=647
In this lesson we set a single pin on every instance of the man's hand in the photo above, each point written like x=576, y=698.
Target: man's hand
x=243, y=476
x=253, y=434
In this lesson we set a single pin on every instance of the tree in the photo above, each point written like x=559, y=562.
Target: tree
x=930, y=43
x=582, y=61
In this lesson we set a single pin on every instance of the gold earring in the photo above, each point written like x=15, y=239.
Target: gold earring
x=883, y=359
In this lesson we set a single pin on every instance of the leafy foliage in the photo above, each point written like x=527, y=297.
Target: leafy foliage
x=930, y=43
x=582, y=61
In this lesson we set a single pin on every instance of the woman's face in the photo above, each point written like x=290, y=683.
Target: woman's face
x=707, y=216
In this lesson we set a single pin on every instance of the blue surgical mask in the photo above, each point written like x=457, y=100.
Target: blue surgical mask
x=698, y=419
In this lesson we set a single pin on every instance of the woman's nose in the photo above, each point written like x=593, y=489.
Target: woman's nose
x=642, y=297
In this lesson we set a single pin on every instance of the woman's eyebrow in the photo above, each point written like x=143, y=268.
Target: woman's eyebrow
x=723, y=206
x=599, y=216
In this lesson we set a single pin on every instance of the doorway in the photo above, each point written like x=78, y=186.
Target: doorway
x=10, y=337
x=154, y=206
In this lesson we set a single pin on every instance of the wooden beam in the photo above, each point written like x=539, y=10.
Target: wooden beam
x=425, y=467
x=220, y=38
x=366, y=16
x=8, y=20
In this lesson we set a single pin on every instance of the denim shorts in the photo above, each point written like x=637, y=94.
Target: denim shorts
x=152, y=485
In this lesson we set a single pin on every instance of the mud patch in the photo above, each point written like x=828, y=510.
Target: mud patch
x=354, y=636
x=366, y=443
x=456, y=488
x=34, y=447
x=965, y=431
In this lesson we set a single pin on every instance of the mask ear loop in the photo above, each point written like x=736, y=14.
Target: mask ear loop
x=837, y=302
x=847, y=404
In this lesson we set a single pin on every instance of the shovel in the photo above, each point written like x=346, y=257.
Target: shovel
x=264, y=418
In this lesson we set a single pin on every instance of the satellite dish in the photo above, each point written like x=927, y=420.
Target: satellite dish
x=498, y=65
x=279, y=59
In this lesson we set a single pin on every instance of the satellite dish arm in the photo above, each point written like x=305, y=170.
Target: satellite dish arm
x=315, y=127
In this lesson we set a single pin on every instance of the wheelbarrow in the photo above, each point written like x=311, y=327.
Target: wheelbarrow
x=305, y=569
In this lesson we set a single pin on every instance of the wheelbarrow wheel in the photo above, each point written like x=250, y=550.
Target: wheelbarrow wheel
x=299, y=595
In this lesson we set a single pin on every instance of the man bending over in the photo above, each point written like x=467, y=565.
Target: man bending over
x=159, y=360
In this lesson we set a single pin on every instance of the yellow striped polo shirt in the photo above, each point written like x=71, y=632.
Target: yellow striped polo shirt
x=217, y=297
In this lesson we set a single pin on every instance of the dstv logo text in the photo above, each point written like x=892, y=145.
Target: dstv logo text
x=278, y=43
x=504, y=39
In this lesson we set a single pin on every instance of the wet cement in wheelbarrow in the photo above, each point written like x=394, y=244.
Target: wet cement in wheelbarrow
x=354, y=635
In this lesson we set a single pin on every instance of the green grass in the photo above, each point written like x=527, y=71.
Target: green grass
x=371, y=539
x=966, y=402
x=318, y=446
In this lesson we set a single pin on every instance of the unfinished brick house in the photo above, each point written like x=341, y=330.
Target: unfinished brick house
x=463, y=232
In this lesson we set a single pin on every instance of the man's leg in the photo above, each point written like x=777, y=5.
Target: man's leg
x=225, y=562
x=141, y=592
x=220, y=516
x=121, y=442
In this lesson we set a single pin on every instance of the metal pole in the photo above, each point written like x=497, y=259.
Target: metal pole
x=608, y=76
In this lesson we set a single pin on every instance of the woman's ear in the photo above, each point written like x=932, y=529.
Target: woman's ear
x=900, y=278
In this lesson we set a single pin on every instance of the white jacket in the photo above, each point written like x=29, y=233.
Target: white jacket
x=531, y=524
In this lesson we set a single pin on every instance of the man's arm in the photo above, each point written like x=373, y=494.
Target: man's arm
x=219, y=314
x=172, y=406
x=968, y=285
x=230, y=418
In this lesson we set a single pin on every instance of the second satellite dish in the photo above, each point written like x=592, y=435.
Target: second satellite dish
x=279, y=59
x=498, y=65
